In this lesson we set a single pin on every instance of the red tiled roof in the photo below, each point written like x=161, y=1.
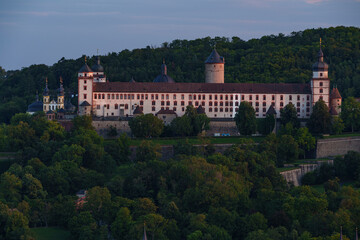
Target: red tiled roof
x=335, y=93
x=150, y=87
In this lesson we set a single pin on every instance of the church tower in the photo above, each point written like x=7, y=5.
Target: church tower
x=214, y=68
x=85, y=85
x=60, y=95
x=46, y=97
x=320, y=83
x=98, y=71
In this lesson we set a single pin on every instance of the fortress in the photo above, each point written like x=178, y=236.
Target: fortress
x=114, y=101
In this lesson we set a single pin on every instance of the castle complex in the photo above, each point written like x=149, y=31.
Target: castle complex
x=219, y=100
x=167, y=99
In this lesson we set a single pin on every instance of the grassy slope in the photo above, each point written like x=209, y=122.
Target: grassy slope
x=52, y=233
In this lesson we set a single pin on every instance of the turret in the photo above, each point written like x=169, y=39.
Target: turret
x=335, y=102
x=46, y=97
x=320, y=83
x=60, y=95
x=214, y=68
x=98, y=71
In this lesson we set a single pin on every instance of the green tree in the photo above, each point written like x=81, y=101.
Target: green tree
x=148, y=151
x=320, y=119
x=305, y=140
x=82, y=122
x=181, y=126
x=119, y=149
x=245, y=119
x=147, y=126
x=98, y=202
x=337, y=125
x=120, y=228
x=83, y=226
x=289, y=115
x=266, y=125
x=288, y=150
x=350, y=113
x=10, y=187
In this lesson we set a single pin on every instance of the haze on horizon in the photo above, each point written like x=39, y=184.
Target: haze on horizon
x=43, y=31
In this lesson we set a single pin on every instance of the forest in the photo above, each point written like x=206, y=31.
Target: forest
x=196, y=195
x=273, y=58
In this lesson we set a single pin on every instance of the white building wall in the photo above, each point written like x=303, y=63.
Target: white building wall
x=215, y=105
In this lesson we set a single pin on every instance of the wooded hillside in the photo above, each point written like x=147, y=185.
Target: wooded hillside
x=274, y=58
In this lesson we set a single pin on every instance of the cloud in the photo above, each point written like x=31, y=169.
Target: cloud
x=314, y=1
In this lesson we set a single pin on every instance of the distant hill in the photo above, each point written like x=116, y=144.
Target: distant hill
x=274, y=58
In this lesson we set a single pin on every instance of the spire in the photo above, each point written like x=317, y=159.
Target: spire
x=144, y=236
x=46, y=90
x=85, y=59
x=61, y=89
x=163, y=68
x=356, y=234
x=321, y=54
x=341, y=238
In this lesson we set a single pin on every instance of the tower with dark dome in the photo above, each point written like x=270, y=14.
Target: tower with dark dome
x=214, y=68
x=98, y=70
x=163, y=77
x=85, y=88
x=320, y=82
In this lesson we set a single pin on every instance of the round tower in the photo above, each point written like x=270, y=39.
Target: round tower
x=214, y=68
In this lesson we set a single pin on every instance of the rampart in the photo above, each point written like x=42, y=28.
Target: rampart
x=337, y=146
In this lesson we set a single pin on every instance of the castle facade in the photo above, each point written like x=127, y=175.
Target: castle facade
x=219, y=100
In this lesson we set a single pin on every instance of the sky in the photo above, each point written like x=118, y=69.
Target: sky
x=44, y=31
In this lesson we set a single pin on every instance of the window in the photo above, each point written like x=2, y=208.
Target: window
x=85, y=80
x=103, y=96
x=116, y=106
x=152, y=96
x=281, y=104
x=108, y=96
x=97, y=106
x=250, y=97
x=175, y=103
x=264, y=109
x=226, y=109
x=298, y=97
x=215, y=109
x=126, y=106
x=321, y=74
x=236, y=103
x=215, y=97
x=236, y=97
x=146, y=96
x=141, y=102
x=95, y=96
x=153, y=108
x=298, y=104
x=112, y=96
x=153, y=103
x=108, y=106
x=221, y=97
x=226, y=97
x=221, y=103
x=190, y=103
x=273, y=97
x=196, y=103
x=183, y=109
x=264, y=97
x=174, y=96
x=321, y=97
x=182, y=103
x=162, y=96
x=257, y=97
x=321, y=84
x=194, y=97
x=308, y=97
x=264, y=104
x=215, y=103
x=138, y=96
x=257, y=104
x=167, y=96
x=210, y=103
x=321, y=90
x=142, y=96
x=182, y=96
x=242, y=97
x=167, y=103
x=162, y=103
x=290, y=97
x=117, y=96
x=203, y=104
x=257, y=109
x=85, y=96
x=174, y=109
x=210, y=109
x=85, y=87
x=210, y=97
x=281, y=97
x=156, y=96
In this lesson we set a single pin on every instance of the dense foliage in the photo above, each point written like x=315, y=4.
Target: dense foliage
x=274, y=58
x=195, y=195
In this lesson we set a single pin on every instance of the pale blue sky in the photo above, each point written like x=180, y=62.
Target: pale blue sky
x=44, y=31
